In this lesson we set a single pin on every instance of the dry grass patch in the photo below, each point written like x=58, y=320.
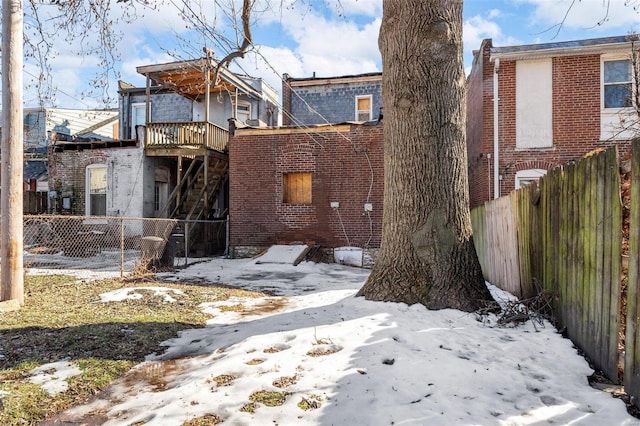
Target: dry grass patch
x=249, y=407
x=284, y=381
x=311, y=403
x=64, y=319
x=223, y=380
x=269, y=398
x=322, y=350
x=206, y=420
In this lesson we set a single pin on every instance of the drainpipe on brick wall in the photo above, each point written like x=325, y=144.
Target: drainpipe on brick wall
x=496, y=135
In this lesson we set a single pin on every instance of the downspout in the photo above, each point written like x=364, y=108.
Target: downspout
x=496, y=134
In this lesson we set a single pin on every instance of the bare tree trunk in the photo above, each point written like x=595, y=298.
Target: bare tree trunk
x=427, y=254
x=11, y=242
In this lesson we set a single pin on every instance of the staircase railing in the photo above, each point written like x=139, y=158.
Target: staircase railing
x=181, y=191
x=211, y=191
x=196, y=212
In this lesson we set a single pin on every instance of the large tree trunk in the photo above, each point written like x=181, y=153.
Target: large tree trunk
x=427, y=254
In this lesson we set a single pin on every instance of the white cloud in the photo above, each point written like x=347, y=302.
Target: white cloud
x=270, y=63
x=494, y=13
x=334, y=46
x=371, y=8
x=317, y=43
x=330, y=39
x=597, y=15
x=478, y=28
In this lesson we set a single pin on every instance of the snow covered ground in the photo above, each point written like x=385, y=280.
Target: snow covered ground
x=349, y=361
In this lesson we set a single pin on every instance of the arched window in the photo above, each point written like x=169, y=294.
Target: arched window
x=525, y=177
x=96, y=190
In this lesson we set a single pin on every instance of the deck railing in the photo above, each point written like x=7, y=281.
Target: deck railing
x=198, y=134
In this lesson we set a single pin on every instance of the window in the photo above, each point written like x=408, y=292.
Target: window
x=296, y=188
x=156, y=197
x=138, y=116
x=243, y=111
x=96, y=190
x=525, y=177
x=160, y=189
x=363, y=108
x=618, y=118
x=617, y=83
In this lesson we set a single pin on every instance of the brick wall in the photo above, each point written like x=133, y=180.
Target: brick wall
x=286, y=100
x=576, y=121
x=479, y=126
x=340, y=171
x=126, y=191
x=67, y=174
x=576, y=118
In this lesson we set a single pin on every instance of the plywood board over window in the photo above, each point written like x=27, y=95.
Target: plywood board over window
x=534, y=100
x=363, y=108
x=296, y=188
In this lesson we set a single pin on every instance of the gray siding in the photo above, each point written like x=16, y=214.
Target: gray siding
x=165, y=107
x=332, y=103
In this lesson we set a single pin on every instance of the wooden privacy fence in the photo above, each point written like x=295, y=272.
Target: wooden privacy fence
x=35, y=202
x=564, y=237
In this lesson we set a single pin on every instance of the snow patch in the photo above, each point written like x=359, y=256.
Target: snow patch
x=133, y=294
x=53, y=376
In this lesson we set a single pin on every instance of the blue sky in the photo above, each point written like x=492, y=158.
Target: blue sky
x=327, y=37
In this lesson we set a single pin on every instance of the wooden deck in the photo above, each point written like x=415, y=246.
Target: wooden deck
x=185, y=136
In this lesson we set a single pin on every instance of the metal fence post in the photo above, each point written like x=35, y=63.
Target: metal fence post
x=226, y=245
x=121, y=248
x=186, y=243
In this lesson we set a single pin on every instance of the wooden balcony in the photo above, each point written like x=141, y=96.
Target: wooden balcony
x=193, y=137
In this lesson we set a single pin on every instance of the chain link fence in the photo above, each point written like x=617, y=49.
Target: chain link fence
x=104, y=247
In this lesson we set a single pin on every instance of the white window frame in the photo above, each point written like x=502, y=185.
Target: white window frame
x=134, y=123
x=607, y=58
x=243, y=104
x=612, y=120
x=529, y=174
x=358, y=112
x=87, y=199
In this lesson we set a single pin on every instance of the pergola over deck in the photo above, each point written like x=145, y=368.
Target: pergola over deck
x=193, y=79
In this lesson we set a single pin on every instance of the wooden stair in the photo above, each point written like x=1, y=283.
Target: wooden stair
x=195, y=197
x=202, y=196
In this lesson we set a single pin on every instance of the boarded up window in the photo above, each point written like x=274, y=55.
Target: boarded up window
x=363, y=108
x=296, y=188
x=534, y=100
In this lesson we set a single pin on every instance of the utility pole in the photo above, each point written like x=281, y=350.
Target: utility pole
x=11, y=151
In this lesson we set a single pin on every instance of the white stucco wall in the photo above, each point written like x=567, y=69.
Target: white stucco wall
x=126, y=170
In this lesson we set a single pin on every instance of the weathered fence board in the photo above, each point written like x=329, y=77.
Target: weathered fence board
x=501, y=236
x=563, y=237
x=479, y=223
x=612, y=281
x=632, y=339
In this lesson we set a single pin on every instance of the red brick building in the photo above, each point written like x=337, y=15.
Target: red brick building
x=533, y=107
x=318, y=185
